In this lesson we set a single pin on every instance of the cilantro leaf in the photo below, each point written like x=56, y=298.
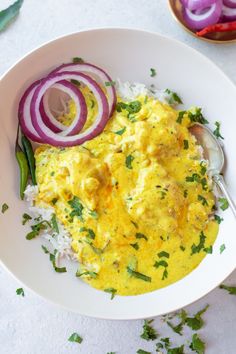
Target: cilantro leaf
x=222, y=248
x=52, y=258
x=180, y=116
x=186, y=144
x=208, y=250
x=149, y=333
x=138, y=275
x=173, y=97
x=120, y=132
x=78, y=60
x=140, y=235
x=202, y=199
x=131, y=107
x=135, y=245
x=55, y=224
x=141, y=351
x=110, y=83
x=197, y=345
x=218, y=219
x=77, y=208
x=20, y=291
x=163, y=254
x=128, y=161
x=223, y=203
x=25, y=218
x=90, y=274
x=5, y=207
x=177, y=350
x=153, y=72
x=196, y=322
x=112, y=291
x=196, y=116
x=230, y=289
x=161, y=263
x=75, y=338
x=45, y=250
x=216, y=132
x=200, y=246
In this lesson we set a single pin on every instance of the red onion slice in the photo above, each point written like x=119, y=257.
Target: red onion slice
x=50, y=137
x=230, y=3
x=24, y=113
x=99, y=74
x=193, y=5
x=81, y=110
x=228, y=14
x=206, y=18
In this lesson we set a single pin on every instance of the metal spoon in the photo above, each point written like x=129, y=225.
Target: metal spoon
x=212, y=151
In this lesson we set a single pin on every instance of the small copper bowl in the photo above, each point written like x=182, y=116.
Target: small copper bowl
x=217, y=37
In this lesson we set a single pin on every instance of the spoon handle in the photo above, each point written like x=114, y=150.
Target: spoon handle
x=219, y=180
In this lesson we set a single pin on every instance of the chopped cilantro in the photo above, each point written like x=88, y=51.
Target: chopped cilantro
x=111, y=291
x=163, y=254
x=77, y=208
x=176, y=328
x=75, y=338
x=196, y=322
x=216, y=132
x=53, y=260
x=173, y=97
x=223, y=203
x=138, y=275
x=186, y=145
x=202, y=199
x=110, y=83
x=90, y=232
x=77, y=83
x=25, y=218
x=230, y=289
x=93, y=213
x=197, y=117
x=208, y=250
x=177, y=350
x=45, y=250
x=149, y=333
x=222, y=248
x=182, y=248
x=135, y=246
x=141, y=351
x=54, y=200
x=55, y=224
x=185, y=193
x=135, y=225
x=120, y=132
x=161, y=263
x=91, y=274
x=42, y=225
x=203, y=168
x=131, y=108
x=78, y=60
x=153, y=72
x=5, y=207
x=218, y=219
x=140, y=235
x=180, y=117
x=200, y=246
x=20, y=291
x=197, y=345
x=164, y=343
x=128, y=161
x=194, y=178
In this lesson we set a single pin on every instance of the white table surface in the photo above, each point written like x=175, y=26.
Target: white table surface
x=31, y=325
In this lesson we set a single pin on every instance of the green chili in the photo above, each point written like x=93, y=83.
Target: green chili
x=29, y=153
x=24, y=170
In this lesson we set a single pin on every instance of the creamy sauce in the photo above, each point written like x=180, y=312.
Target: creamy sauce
x=125, y=199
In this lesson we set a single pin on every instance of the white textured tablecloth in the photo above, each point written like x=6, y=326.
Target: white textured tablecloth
x=30, y=325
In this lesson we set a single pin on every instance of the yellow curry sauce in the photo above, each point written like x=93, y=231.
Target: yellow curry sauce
x=136, y=200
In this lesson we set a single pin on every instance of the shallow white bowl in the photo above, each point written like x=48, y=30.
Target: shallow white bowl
x=129, y=55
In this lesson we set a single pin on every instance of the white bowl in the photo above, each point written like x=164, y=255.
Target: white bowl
x=129, y=55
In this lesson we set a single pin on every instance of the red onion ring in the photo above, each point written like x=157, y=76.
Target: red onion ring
x=50, y=137
x=100, y=75
x=230, y=3
x=24, y=113
x=81, y=107
x=228, y=14
x=193, y=5
x=204, y=19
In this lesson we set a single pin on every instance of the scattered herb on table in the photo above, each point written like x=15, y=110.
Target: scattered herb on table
x=20, y=292
x=197, y=345
x=176, y=350
x=179, y=327
x=164, y=343
x=5, y=207
x=7, y=15
x=153, y=72
x=128, y=161
x=149, y=333
x=141, y=351
x=222, y=248
x=173, y=97
x=223, y=203
x=216, y=132
x=111, y=291
x=75, y=338
x=138, y=275
x=230, y=289
x=196, y=322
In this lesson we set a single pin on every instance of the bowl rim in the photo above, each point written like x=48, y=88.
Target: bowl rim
x=116, y=28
